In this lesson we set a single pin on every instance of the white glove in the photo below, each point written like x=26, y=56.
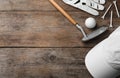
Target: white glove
x=90, y=6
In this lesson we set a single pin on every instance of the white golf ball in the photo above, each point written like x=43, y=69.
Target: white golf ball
x=90, y=22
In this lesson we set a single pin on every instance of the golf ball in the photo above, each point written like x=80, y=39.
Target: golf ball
x=90, y=22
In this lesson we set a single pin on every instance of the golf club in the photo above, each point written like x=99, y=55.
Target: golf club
x=86, y=37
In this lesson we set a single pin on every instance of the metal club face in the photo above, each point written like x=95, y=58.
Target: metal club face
x=94, y=34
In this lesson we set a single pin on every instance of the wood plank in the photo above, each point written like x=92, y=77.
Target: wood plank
x=43, y=63
x=41, y=5
x=45, y=29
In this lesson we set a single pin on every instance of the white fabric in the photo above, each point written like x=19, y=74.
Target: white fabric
x=103, y=61
x=87, y=5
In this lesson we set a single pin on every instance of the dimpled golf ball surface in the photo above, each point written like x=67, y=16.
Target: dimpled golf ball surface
x=90, y=22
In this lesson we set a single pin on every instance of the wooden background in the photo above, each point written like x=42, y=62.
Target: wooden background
x=36, y=41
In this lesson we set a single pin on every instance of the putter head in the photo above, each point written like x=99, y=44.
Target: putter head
x=94, y=34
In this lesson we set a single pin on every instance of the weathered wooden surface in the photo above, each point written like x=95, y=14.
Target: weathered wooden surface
x=36, y=5
x=43, y=63
x=40, y=29
x=36, y=41
x=44, y=28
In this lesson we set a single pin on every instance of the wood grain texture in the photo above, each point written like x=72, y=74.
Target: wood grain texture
x=35, y=5
x=38, y=42
x=42, y=29
x=43, y=63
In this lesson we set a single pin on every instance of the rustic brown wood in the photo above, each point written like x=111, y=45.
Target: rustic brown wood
x=41, y=5
x=43, y=63
x=38, y=42
x=43, y=29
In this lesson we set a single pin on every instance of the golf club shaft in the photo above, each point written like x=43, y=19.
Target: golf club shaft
x=68, y=17
x=81, y=29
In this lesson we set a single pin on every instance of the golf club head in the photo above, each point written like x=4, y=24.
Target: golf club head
x=94, y=34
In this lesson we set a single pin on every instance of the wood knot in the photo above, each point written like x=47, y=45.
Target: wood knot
x=52, y=57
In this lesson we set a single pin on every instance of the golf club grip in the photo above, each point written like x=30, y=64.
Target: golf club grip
x=63, y=12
